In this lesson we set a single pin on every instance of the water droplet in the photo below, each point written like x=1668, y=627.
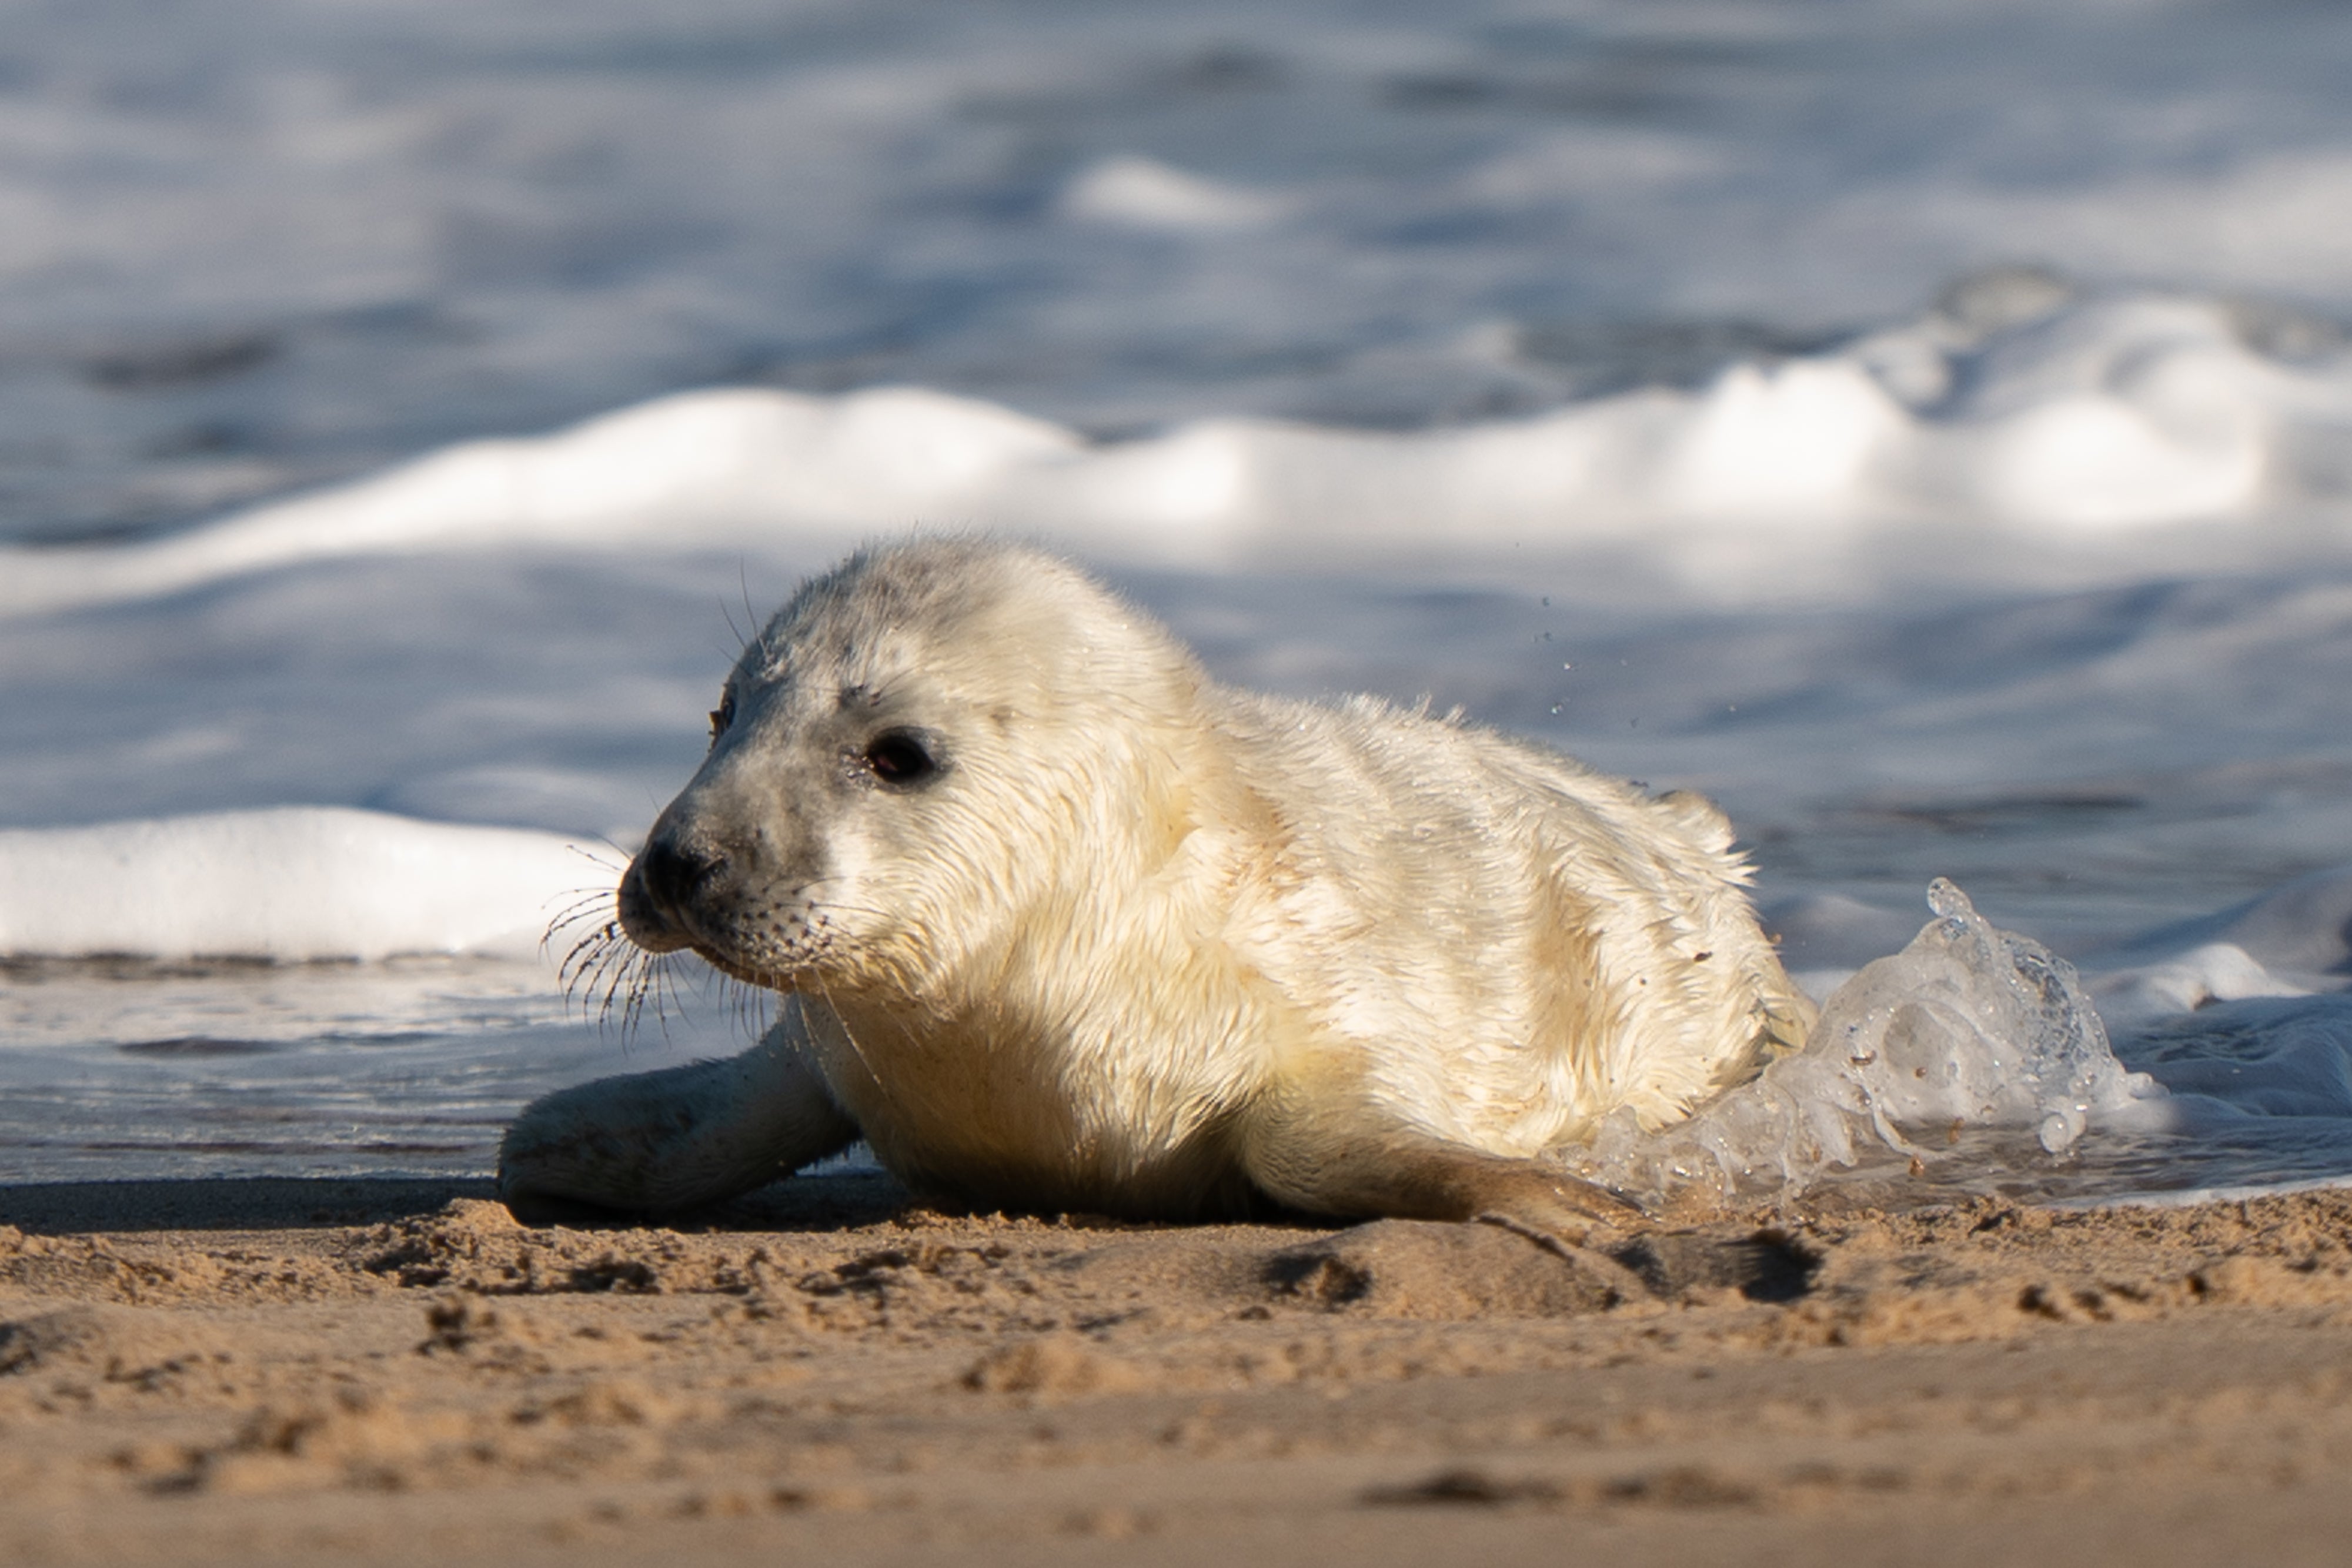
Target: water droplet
x=2057, y=1133
x=1946, y=899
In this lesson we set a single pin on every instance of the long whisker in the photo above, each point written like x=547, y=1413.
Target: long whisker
x=584, y=965
x=742, y=638
x=581, y=903
x=881, y=1083
x=760, y=632
x=578, y=909
x=583, y=953
x=665, y=992
x=749, y=1004
x=583, y=919
x=595, y=855
x=643, y=981
x=579, y=965
x=608, y=979
x=625, y=972
x=612, y=957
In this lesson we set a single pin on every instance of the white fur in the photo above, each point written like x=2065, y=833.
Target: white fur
x=1150, y=944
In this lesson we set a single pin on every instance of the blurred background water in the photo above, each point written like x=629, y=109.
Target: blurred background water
x=251, y=244
x=1921, y=425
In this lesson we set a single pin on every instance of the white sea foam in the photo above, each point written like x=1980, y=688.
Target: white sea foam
x=1969, y=1029
x=2082, y=425
x=248, y=246
x=1970, y=1026
x=288, y=884
x=1145, y=193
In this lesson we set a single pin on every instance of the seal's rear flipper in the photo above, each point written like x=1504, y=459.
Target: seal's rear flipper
x=1320, y=1157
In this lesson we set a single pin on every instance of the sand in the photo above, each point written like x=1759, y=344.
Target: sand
x=364, y=1372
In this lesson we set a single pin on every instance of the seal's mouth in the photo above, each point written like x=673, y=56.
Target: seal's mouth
x=786, y=982
x=659, y=913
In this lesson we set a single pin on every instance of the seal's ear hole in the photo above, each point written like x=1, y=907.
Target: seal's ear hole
x=899, y=757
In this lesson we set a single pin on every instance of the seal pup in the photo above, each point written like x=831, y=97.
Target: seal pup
x=1064, y=924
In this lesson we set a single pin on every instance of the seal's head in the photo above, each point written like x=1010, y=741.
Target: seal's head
x=902, y=765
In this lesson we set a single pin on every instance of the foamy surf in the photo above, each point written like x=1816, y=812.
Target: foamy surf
x=1974, y=1056
x=1969, y=1026
x=1978, y=1058
x=2056, y=429
x=288, y=885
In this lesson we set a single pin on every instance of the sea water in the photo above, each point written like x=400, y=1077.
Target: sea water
x=1922, y=429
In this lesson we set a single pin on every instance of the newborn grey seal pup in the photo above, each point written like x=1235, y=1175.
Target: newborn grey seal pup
x=1064, y=924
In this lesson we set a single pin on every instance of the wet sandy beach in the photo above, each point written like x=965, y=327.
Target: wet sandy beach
x=378, y=1371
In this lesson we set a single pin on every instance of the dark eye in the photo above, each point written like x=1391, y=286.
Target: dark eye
x=722, y=715
x=899, y=757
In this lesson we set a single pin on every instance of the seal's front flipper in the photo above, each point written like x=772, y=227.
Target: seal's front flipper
x=649, y=1143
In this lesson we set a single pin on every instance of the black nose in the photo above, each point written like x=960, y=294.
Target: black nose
x=673, y=873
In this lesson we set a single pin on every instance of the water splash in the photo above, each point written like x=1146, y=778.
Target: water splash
x=1969, y=1026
